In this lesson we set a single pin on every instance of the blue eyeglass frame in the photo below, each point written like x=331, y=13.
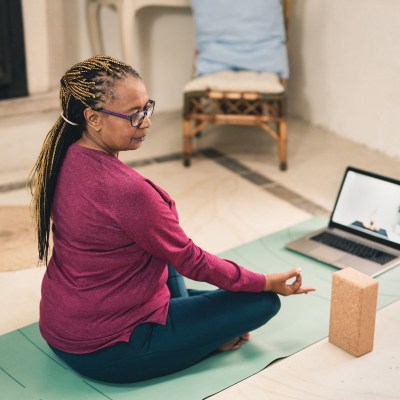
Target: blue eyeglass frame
x=137, y=118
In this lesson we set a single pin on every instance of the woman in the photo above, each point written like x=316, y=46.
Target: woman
x=112, y=306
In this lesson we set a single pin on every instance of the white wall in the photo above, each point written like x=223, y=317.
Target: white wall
x=164, y=47
x=36, y=45
x=345, y=69
x=47, y=26
x=344, y=56
x=56, y=37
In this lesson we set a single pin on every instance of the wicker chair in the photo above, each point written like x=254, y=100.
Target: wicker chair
x=239, y=98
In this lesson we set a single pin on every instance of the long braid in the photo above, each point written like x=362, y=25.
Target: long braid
x=86, y=85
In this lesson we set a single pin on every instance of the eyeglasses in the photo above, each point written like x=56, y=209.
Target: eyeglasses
x=138, y=117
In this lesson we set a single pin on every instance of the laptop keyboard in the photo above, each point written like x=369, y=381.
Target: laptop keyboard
x=357, y=249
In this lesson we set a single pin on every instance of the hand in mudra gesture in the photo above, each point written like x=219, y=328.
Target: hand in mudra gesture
x=279, y=283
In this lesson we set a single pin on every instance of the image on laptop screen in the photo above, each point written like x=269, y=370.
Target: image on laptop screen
x=369, y=205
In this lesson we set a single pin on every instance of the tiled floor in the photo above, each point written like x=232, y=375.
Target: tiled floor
x=232, y=193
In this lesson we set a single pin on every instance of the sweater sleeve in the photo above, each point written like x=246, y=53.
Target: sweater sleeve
x=148, y=215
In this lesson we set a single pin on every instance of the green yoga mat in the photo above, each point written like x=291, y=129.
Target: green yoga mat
x=29, y=370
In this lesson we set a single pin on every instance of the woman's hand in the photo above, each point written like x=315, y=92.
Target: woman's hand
x=278, y=283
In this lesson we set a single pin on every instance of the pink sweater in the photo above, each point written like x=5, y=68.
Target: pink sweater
x=114, y=232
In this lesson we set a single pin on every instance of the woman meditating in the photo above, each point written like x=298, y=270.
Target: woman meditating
x=114, y=305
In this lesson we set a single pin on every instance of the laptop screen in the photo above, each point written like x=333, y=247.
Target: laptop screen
x=369, y=205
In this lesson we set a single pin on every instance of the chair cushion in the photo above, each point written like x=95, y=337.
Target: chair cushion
x=240, y=35
x=231, y=81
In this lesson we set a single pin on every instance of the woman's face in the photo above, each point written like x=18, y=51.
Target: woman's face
x=115, y=134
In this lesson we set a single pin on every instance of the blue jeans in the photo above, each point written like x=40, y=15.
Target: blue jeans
x=198, y=323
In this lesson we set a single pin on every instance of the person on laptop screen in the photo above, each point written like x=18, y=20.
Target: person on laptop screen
x=370, y=224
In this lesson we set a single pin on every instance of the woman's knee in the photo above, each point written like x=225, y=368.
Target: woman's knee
x=271, y=305
x=276, y=303
x=259, y=308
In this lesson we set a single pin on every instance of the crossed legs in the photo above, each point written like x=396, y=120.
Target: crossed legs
x=198, y=324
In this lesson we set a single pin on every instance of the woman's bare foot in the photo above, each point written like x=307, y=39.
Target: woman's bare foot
x=236, y=343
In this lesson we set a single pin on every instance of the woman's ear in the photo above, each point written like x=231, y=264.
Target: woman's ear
x=93, y=119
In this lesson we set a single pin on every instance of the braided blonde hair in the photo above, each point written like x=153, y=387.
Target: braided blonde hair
x=87, y=84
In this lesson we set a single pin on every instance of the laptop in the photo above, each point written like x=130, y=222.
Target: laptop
x=364, y=227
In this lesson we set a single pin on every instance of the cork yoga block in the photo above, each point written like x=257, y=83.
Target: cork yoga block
x=353, y=311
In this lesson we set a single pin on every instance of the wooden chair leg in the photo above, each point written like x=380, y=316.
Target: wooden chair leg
x=282, y=144
x=187, y=142
x=198, y=134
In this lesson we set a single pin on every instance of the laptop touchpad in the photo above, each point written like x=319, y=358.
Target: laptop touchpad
x=326, y=254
